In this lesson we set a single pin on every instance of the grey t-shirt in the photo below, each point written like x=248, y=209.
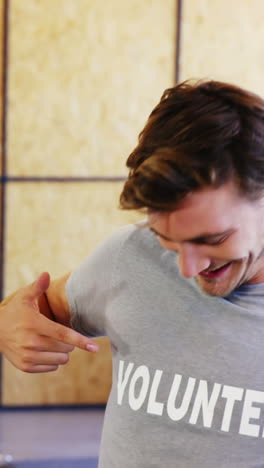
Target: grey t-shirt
x=188, y=369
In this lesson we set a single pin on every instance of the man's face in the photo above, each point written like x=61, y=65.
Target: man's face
x=219, y=237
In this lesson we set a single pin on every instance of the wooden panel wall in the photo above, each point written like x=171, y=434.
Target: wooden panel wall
x=82, y=78
x=223, y=39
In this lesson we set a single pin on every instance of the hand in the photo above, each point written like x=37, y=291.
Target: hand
x=31, y=341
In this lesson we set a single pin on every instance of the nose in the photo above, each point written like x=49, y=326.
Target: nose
x=191, y=260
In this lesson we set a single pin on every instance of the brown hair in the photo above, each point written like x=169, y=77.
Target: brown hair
x=198, y=135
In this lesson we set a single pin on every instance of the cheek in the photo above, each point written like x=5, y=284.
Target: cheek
x=234, y=250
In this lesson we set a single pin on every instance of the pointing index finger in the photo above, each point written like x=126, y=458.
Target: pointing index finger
x=68, y=336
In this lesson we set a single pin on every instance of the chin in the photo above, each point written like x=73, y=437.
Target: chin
x=222, y=294
x=224, y=287
x=216, y=290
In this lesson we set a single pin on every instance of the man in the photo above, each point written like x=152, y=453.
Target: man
x=180, y=295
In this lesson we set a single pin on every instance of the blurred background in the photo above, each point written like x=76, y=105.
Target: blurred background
x=78, y=81
x=81, y=77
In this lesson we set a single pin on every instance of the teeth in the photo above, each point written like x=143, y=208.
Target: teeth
x=222, y=266
x=215, y=269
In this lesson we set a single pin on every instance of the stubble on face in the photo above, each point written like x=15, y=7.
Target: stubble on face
x=242, y=271
x=215, y=211
x=223, y=287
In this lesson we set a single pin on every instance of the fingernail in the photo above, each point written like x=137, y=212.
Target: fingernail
x=92, y=347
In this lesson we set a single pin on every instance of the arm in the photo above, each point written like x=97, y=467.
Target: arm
x=34, y=326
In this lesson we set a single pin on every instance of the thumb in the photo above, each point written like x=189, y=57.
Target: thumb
x=37, y=288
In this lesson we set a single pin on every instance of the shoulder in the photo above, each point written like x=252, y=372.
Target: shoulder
x=134, y=238
x=136, y=235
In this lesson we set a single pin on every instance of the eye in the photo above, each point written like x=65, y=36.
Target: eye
x=213, y=243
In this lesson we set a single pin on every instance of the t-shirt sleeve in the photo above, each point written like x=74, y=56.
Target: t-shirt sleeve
x=89, y=286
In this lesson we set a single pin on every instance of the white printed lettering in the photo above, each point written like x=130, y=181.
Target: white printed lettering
x=202, y=402
x=155, y=407
x=249, y=411
x=136, y=402
x=191, y=399
x=178, y=413
x=122, y=381
x=232, y=394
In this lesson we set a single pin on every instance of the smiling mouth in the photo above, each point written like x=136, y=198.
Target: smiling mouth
x=215, y=273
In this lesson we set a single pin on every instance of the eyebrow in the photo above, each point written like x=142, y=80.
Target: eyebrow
x=202, y=238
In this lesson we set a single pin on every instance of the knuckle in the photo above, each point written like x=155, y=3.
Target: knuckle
x=61, y=334
x=31, y=342
x=27, y=357
x=64, y=358
x=70, y=348
x=25, y=367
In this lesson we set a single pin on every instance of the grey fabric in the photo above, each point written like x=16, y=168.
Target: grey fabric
x=188, y=378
